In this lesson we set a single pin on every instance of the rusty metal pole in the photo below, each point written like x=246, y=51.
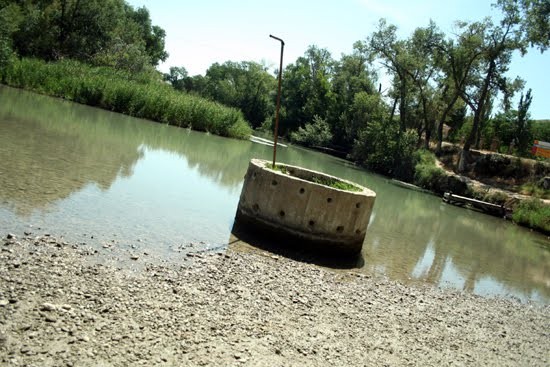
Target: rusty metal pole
x=278, y=100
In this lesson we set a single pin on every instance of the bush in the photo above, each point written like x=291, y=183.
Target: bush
x=533, y=213
x=314, y=134
x=426, y=173
x=139, y=95
x=382, y=148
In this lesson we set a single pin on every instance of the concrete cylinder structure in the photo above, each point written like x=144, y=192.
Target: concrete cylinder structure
x=296, y=202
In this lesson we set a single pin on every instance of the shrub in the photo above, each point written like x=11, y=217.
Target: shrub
x=382, y=148
x=316, y=133
x=426, y=173
x=533, y=213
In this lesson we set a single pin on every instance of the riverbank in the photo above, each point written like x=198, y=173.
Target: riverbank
x=142, y=95
x=60, y=304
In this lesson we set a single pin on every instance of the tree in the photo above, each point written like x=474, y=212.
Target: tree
x=306, y=90
x=246, y=85
x=176, y=77
x=10, y=20
x=392, y=53
x=353, y=96
x=493, y=46
x=103, y=32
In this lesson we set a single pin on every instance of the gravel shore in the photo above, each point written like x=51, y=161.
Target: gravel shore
x=60, y=306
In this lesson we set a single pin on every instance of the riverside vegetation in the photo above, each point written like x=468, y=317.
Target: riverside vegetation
x=138, y=95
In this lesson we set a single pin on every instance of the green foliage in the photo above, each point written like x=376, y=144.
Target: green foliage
x=10, y=18
x=306, y=89
x=277, y=167
x=314, y=134
x=533, y=213
x=426, y=173
x=139, y=95
x=102, y=32
x=384, y=149
x=335, y=183
x=511, y=130
x=541, y=130
x=245, y=85
x=533, y=189
x=355, y=101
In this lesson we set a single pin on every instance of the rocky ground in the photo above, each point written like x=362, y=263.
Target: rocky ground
x=60, y=306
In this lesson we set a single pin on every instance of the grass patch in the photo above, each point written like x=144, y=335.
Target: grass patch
x=327, y=181
x=532, y=189
x=277, y=167
x=533, y=213
x=139, y=95
x=335, y=183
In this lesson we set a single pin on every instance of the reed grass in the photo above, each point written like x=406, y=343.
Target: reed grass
x=142, y=95
x=534, y=214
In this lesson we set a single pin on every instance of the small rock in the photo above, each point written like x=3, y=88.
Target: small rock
x=10, y=236
x=51, y=318
x=4, y=302
x=84, y=338
x=25, y=350
x=48, y=307
x=134, y=257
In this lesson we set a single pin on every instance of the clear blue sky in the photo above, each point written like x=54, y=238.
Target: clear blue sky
x=200, y=33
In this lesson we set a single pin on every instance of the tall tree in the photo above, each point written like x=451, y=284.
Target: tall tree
x=348, y=114
x=246, y=85
x=392, y=53
x=306, y=90
x=494, y=45
x=106, y=32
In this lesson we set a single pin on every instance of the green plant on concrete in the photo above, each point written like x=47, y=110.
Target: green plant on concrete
x=141, y=95
x=278, y=167
x=335, y=183
x=533, y=213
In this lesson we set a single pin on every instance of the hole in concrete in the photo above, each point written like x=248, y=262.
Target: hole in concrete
x=311, y=223
x=282, y=213
x=340, y=229
x=329, y=200
x=255, y=207
x=302, y=190
x=274, y=183
x=358, y=205
x=357, y=231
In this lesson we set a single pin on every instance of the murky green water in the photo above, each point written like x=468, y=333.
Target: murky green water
x=79, y=172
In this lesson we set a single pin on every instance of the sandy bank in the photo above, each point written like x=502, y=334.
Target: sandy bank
x=58, y=308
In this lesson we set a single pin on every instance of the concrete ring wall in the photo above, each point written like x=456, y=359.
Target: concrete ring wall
x=291, y=203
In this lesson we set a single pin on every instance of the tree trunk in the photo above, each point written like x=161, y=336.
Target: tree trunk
x=478, y=112
x=480, y=107
x=442, y=122
x=393, y=110
x=402, y=106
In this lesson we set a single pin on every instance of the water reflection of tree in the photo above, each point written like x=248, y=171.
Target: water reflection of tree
x=478, y=247
x=70, y=146
x=49, y=159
